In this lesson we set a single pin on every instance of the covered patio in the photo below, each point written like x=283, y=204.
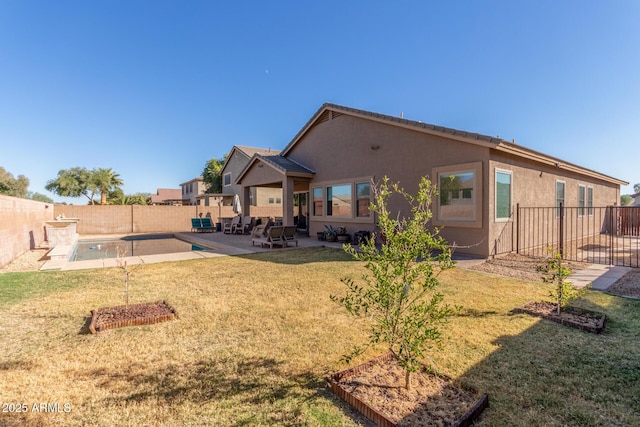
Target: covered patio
x=279, y=172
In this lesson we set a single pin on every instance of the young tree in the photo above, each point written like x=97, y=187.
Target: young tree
x=555, y=272
x=212, y=175
x=399, y=294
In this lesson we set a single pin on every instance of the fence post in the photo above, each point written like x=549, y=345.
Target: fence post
x=517, y=228
x=561, y=231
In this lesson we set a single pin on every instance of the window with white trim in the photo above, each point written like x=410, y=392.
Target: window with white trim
x=589, y=201
x=582, y=198
x=559, y=196
x=226, y=179
x=503, y=195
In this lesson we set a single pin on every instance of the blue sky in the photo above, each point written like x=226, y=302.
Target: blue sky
x=153, y=89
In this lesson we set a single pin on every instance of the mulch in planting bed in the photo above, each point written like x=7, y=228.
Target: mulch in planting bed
x=377, y=390
x=586, y=320
x=131, y=315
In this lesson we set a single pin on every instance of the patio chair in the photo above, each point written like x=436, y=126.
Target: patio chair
x=244, y=226
x=289, y=235
x=207, y=225
x=196, y=225
x=273, y=237
x=229, y=227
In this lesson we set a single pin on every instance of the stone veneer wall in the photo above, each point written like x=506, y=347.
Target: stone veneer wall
x=21, y=226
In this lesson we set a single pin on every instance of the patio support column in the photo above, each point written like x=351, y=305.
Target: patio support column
x=287, y=201
x=245, y=199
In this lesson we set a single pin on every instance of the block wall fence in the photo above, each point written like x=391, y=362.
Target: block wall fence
x=21, y=226
x=22, y=221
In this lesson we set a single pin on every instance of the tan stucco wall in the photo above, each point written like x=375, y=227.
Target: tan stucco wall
x=534, y=185
x=341, y=149
x=21, y=226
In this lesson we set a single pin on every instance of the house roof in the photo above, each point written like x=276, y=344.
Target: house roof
x=248, y=152
x=193, y=180
x=166, y=194
x=328, y=110
x=284, y=165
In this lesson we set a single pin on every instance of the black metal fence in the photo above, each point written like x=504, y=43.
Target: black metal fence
x=601, y=235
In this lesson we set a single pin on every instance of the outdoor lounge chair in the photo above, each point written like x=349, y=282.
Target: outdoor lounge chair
x=229, y=227
x=244, y=226
x=273, y=237
x=207, y=225
x=289, y=235
x=196, y=225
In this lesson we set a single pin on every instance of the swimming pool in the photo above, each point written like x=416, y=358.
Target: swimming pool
x=131, y=246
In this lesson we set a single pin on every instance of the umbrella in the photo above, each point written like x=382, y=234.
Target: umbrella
x=237, y=207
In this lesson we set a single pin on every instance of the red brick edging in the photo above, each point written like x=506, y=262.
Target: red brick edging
x=379, y=418
x=554, y=318
x=95, y=326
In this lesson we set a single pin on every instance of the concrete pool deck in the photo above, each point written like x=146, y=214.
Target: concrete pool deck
x=216, y=244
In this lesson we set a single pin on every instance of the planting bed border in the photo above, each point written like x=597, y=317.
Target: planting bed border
x=567, y=322
x=378, y=417
x=96, y=326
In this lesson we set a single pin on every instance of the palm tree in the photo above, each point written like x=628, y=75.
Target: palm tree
x=106, y=180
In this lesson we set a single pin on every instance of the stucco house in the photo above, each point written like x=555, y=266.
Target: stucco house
x=236, y=161
x=168, y=196
x=192, y=189
x=327, y=169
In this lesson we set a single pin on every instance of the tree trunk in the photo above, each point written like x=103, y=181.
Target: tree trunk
x=407, y=379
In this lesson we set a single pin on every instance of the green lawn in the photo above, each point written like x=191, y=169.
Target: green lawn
x=258, y=334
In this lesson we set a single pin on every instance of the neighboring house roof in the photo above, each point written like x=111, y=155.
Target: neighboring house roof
x=164, y=194
x=329, y=110
x=193, y=180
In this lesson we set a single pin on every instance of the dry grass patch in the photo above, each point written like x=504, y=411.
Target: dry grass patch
x=258, y=334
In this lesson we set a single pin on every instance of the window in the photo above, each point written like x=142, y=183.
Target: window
x=278, y=201
x=339, y=200
x=457, y=195
x=559, y=196
x=582, y=194
x=589, y=200
x=363, y=198
x=503, y=195
x=271, y=200
x=317, y=201
x=226, y=179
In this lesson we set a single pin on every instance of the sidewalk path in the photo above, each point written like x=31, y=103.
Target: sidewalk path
x=599, y=276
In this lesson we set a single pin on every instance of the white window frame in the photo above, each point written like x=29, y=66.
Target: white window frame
x=589, y=201
x=582, y=199
x=357, y=199
x=224, y=179
x=510, y=216
x=353, y=215
x=564, y=196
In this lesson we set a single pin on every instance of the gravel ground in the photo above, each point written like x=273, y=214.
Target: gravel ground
x=524, y=268
x=28, y=261
x=511, y=265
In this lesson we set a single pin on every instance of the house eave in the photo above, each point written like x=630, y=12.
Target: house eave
x=538, y=157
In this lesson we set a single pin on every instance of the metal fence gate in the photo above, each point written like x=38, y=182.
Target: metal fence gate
x=603, y=235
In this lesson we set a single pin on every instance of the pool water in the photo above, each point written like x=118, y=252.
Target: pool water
x=131, y=246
